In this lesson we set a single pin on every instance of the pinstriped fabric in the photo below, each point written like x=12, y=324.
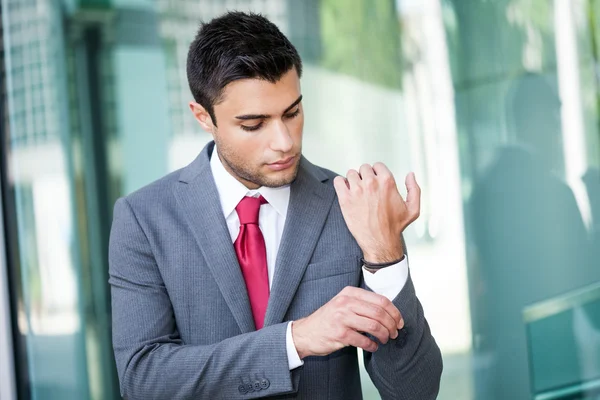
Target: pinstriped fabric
x=182, y=326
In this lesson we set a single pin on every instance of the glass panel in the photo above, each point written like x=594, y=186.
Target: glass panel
x=50, y=310
x=52, y=179
x=377, y=86
x=529, y=124
x=564, y=344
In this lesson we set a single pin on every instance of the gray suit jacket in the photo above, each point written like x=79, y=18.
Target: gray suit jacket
x=182, y=324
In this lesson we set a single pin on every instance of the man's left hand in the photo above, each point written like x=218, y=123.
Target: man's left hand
x=375, y=212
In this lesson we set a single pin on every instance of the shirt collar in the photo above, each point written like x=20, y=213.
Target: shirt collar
x=231, y=191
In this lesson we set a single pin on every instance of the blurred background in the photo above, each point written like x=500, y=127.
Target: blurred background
x=495, y=104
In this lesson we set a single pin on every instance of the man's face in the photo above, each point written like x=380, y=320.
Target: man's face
x=259, y=133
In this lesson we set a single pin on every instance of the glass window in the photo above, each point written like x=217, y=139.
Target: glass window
x=493, y=104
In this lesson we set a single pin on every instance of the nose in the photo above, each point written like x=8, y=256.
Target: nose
x=281, y=141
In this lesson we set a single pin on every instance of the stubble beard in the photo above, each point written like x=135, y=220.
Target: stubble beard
x=245, y=172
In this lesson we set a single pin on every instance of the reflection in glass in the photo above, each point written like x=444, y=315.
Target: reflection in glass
x=563, y=343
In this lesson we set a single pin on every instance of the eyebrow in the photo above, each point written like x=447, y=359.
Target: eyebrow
x=264, y=116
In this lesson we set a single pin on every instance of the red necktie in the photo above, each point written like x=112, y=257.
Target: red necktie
x=252, y=256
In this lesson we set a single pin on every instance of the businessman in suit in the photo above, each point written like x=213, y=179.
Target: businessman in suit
x=253, y=273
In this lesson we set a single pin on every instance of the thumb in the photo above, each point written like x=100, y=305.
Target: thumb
x=413, y=195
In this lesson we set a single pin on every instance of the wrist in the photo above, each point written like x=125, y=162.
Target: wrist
x=300, y=341
x=374, y=267
x=386, y=256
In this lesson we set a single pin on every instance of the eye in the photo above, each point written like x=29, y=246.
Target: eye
x=251, y=128
x=294, y=114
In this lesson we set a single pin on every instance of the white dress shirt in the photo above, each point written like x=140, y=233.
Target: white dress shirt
x=271, y=220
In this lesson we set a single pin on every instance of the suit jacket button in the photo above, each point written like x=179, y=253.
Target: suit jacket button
x=401, y=339
x=257, y=386
x=242, y=389
x=249, y=387
x=264, y=383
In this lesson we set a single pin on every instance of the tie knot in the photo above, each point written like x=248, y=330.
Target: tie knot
x=248, y=209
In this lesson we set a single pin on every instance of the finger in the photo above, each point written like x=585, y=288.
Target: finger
x=374, y=312
x=381, y=170
x=366, y=172
x=353, y=179
x=341, y=186
x=413, y=195
x=353, y=338
x=379, y=300
x=367, y=325
x=385, y=176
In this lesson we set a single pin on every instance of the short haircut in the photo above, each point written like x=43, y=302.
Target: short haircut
x=237, y=46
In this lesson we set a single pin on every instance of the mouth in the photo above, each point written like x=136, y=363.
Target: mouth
x=282, y=164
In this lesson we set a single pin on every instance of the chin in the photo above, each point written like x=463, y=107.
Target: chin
x=280, y=179
x=279, y=182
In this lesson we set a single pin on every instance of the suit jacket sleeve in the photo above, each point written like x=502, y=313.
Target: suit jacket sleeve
x=152, y=361
x=410, y=366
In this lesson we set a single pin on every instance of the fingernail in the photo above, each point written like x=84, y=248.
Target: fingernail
x=401, y=324
x=395, y=335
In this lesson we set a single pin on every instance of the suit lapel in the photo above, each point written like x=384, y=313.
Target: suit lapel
x=198, y=197
x=310, y=202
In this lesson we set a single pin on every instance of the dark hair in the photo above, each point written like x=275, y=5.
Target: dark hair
x=236, y=46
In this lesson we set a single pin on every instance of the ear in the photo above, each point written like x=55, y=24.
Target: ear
x=202, y=116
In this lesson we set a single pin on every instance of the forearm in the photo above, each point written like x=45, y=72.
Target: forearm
x=166, y=369
x=410, y=366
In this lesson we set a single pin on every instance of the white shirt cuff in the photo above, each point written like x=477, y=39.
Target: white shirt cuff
x=294, y=360
x=388, y=281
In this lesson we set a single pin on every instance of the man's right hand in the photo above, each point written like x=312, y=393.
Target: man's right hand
x=339, y=323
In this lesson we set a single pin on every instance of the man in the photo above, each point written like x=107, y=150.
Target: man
x=241, y=275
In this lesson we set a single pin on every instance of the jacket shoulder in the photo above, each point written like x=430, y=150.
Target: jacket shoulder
x=156, y=192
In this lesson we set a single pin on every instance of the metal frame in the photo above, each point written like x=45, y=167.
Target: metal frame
x=571, y=392
x=556, y=305
x=549, y=308
x=8, y=383
x=8, y=389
